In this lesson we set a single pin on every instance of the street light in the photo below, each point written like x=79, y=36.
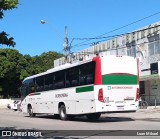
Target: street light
x=66, y=48
x=43, y=22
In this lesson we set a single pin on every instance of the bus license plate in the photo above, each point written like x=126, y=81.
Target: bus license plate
x=120, y=108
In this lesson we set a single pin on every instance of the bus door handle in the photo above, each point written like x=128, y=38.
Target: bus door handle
x=92, y=100
x=77, y=101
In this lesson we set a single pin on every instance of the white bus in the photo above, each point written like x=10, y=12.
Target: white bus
x=91, y=87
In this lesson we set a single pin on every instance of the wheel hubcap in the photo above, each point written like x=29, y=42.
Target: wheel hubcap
x=63, y=113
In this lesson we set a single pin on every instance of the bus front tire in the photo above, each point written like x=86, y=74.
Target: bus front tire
x=93, y=116
x=62, y=113
x=30, y=111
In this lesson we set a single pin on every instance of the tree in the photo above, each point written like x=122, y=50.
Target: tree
x=7, y=5
x=11, y=65
x=48, y=59
x=5, y=40
x=14, y=67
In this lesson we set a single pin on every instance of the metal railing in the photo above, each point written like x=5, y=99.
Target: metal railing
x=149, y=100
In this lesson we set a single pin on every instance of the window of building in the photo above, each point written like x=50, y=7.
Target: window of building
x=142, y=87
x=131, y=51
x=154, y=45
x=142, y=34
x=138, y=35
x=104, y=46
x=133, y=36
x=108, y=44
x=127, y=38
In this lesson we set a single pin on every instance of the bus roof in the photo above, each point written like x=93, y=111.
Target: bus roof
x=69, y=65
x=65, y=66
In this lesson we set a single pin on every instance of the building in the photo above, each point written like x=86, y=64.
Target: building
x=144, y=44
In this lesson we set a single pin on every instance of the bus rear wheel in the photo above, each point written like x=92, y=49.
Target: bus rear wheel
x=62, y=113
x=93, y=116
x=30, y=111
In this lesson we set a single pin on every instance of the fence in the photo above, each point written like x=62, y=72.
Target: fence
x=152, y=100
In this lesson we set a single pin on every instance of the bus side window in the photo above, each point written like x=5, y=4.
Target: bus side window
x=82, y=80
x=83, y=70
x=90, y=79
x=24, y=90
x=59, y=79
x=72, y=77
x=87, y=73
x=39, y=84
x=31, y=85
x=68, y=84
x=74, y=82
x=48, y=85
x=90, y=73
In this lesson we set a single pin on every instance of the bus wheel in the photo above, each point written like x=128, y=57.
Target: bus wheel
x=30, y=111
x=93, y=116
x=62, y=113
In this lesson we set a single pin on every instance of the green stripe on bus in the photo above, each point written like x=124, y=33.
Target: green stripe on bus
x=119, y=79
x=84, y=89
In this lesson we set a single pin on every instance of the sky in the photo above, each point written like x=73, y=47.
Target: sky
x=83, y=18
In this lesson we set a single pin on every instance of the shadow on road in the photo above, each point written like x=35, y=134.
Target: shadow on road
x=84, y=119
x=149, y=119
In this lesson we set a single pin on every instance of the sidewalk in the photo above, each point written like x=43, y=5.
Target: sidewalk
x=150, y=109
x=149, y=114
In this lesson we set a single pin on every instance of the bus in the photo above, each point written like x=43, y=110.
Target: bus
x=91, y=87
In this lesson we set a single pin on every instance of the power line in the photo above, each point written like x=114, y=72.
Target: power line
x=95, y=38
x=116, y=35
x=94, y=43
x=121, y=27
x=124, y=45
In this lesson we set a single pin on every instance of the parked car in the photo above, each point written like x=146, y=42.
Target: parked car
x=15, y=105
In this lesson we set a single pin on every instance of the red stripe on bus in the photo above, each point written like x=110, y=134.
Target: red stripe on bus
x=98, y=77
x=30, y=94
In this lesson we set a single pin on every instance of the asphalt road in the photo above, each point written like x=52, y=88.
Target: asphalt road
x=119, y=122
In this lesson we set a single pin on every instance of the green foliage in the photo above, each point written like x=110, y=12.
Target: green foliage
x=46, y=59
x=7, y=5
x=6, y=41
x=14, y=67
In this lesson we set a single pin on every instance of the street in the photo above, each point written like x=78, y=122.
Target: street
x=141, y=120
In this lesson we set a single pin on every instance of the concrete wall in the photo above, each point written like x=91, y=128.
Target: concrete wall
x=4, y=102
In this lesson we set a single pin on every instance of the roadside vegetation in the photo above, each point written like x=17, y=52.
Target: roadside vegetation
x=14, y=67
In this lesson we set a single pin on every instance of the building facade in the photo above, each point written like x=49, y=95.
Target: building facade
x=143, y=44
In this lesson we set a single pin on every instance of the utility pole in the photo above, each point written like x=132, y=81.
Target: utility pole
x=66, y=47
